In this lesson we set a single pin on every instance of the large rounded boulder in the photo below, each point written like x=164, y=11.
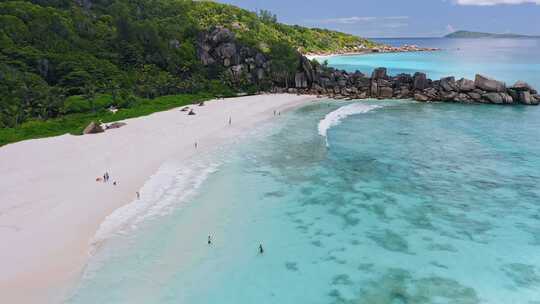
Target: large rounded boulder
x=93, y=128
x=420, y=81
x=379, y=73
x=521, y=86
x=465, y=85
x=489, y=85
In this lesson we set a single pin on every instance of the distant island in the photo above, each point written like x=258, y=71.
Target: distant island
x=469, y=34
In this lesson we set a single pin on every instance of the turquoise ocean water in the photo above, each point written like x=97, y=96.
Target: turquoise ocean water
x=354, y=202
x=504, y=59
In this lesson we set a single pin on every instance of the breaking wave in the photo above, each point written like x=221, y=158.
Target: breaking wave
x=172, y=184
x=334, y=118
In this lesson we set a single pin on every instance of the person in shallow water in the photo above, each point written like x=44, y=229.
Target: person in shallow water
x=261, y=250
x=209, y=240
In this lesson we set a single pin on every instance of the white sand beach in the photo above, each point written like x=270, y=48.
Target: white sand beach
x=51, y=204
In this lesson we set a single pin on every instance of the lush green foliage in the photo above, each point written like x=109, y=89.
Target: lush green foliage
x=75, y=123
x=284, y=62
x=263, y=30
x=61, y=57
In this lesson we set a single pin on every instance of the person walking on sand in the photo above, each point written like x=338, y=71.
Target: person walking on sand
x=230, y=120
x=195, y=145
x=261, y=250
x=209, y=240
x=138, y=195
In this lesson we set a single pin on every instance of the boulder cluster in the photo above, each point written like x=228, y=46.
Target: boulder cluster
x=340, y=84
x=220, y=47
x=243, y=63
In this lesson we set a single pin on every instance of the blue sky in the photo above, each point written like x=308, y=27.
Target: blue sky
x=405, y=18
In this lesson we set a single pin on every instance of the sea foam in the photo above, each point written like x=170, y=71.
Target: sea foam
x=171, y=185
x=334, y=118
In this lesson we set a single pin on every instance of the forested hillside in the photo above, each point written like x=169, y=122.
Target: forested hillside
x=62, y=57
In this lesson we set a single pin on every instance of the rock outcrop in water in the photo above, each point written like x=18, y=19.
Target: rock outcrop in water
x=244, y=64
x=340, y=84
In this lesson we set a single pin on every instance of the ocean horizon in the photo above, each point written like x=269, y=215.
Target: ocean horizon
x=375, y=201
x=504, y=59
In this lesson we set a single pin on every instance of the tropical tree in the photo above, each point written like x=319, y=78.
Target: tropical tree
x=284, y=61
x=89, y=95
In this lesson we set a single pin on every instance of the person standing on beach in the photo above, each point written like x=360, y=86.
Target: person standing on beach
x=138, y=195
x=261, y=250
x=195, y=145
x=230, y=120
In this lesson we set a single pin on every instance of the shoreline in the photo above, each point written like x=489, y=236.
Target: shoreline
x=390, y=50
x=53, y=206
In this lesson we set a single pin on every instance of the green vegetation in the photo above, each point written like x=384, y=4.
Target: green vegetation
x=62, y=62
x=263, y=30
x=75, y=123
x=469, y=34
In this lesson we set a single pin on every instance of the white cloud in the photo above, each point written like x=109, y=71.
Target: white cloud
x=348, y=20
x=394, y=25
x=396, y=18
x=494, y=2
x=358, y=19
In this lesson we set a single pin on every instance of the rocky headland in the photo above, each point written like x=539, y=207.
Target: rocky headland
x=244, y=64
